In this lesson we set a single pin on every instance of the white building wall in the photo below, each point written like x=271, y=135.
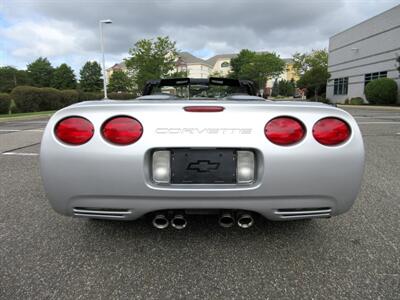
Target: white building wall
x=222, y=70
x=371, y=46
x=198, y=71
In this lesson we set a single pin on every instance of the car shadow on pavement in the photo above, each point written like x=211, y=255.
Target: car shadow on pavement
x=198, y=226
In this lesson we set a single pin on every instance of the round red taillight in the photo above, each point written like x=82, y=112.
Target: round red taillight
x=74, y=130
x=122, y=130
x=284, y=131
x=331, y=131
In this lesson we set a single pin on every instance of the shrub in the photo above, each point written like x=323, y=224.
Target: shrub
x=69, y=97
x=381, y=91
x=346, y=101
x=13, y=107
x=320, y=99
x=51, y=99
x=5, y=102
x=31, y=99
x=26, y=98
x=357, y=101
x=86, y=96
x=121, y=96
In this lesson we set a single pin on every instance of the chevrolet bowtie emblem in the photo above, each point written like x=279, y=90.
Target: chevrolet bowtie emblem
x=203, y=166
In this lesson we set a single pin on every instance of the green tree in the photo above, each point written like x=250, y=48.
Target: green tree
x=303, y=62
x=314, y=80
x=275, y=89
x=244, y=57
x=258, y=67
x=40, y=72
x=11, y=77
x=177, y=74
x=63, y=78
x=119, y=82
x=91, y=77
x=286, y=88
x=151, y=59
x=381, y=91
x=282, y=87
x=313, y=70
x=291, y=88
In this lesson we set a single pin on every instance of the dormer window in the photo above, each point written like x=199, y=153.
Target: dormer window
x=225, y=64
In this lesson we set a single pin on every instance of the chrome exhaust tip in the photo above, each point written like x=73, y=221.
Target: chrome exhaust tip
x=160, y=222
x=245, y=221
x=178, y=222
x=226, y=220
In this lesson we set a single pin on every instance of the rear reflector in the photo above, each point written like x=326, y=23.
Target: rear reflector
x=331, y=131
x=204, y=108
x=74, y=130
x=122, y=130
x=284, y=131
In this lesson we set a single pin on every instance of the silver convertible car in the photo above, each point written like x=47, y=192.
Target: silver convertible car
x=201, y=146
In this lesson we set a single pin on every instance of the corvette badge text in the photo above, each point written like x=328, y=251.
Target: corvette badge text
x=200, y=131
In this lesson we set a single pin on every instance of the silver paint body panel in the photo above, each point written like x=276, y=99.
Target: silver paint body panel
x=101, y=175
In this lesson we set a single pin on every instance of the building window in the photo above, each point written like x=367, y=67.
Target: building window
x=371, y=76
x=225, y=64
x=340, y=86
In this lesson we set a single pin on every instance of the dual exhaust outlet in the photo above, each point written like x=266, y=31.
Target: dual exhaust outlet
x=160, y=221
x=226, y=220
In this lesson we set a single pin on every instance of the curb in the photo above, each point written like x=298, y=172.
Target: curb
x=8, y=119
x=370, y=107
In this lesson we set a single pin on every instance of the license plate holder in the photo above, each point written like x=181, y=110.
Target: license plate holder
x=203, y=166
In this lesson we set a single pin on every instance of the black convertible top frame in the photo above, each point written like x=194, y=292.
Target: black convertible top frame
x=247, y=84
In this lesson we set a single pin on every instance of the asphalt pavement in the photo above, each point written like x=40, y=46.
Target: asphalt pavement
x=44, y=255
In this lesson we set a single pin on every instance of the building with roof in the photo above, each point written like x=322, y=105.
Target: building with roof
x=221, y=63
x=218, y=65
x=117, y=67
x=194, y=66
x=362, y=53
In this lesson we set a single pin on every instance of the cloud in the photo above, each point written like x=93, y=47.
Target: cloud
x=69, y=29
x=46, y=38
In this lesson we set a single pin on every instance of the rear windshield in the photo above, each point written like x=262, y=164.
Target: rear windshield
x=186, y=88
x=197, y=91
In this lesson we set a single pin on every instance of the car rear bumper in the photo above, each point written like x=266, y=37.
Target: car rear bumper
x=272, y=208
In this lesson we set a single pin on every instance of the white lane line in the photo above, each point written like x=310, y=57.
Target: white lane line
x=378, y=122
x=377, y=117
x=17, y=130
x=30, y=122
x=20, y=154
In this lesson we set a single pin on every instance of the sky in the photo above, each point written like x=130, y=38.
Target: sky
x=68, y=30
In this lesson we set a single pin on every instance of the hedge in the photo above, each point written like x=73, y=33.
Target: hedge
x=320, y=99
x=121, y=96
x=87, y=96
x=69, y=97
x=356, y=101
x=32, y=99
x=381, y=91
x=5, y=102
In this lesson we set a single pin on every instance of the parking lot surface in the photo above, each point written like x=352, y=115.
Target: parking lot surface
x=354, y=256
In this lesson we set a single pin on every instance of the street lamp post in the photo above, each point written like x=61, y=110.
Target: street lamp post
x=101, y=22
